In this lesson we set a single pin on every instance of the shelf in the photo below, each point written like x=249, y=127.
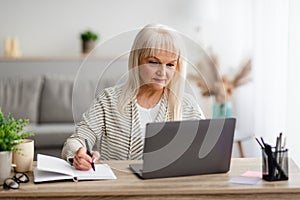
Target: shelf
x=80, y=57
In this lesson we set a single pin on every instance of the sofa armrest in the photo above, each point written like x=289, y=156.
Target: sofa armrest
x=50, y=137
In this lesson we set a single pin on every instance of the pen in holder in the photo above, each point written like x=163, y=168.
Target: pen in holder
x=274, y=164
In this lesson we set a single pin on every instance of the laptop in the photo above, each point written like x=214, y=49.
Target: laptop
x=182, y=148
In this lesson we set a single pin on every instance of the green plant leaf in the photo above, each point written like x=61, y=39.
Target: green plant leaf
x=89, y=35
x=12, y=132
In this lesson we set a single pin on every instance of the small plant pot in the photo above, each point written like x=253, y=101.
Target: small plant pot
x=23, y=159
x=5, y=165
x=87, y=46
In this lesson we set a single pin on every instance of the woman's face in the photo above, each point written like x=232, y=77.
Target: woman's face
x=157, y=71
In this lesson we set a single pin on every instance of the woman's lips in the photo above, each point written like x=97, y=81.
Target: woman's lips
x=159, y=80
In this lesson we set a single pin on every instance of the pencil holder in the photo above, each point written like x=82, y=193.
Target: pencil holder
x=275, y=164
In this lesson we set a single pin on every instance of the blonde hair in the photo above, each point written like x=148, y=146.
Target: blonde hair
x=150, y=40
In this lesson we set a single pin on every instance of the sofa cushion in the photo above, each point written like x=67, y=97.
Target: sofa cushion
x=83, y=96
x=20, y=96
x=50, y=135
x=56, y=99
x=62, y=100
x=85, y=91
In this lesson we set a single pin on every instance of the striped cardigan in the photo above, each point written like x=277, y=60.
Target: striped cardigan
x=118, y=136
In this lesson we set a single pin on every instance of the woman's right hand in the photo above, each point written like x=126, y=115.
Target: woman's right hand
x=82, y=161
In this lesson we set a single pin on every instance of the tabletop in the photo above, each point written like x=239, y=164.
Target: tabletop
x=129, y=186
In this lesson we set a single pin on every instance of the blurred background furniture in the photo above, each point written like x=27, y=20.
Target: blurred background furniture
x=53, y=102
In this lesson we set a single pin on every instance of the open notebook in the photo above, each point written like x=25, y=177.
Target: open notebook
x=51, y=168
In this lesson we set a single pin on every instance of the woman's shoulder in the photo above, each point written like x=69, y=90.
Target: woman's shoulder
x=191, y=108
x=189, y=100
x=110, y=92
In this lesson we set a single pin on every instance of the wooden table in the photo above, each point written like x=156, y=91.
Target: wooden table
x=129, y=186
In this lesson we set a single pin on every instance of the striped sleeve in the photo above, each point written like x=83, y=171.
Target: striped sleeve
x=191, y=109
x=89, y=128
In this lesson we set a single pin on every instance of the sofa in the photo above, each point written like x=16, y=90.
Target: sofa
x=51, y=103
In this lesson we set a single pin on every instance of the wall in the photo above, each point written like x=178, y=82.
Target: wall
x=293, y=82
x=53, y=27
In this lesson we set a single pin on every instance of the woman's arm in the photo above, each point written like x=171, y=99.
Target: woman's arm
x=89, y=128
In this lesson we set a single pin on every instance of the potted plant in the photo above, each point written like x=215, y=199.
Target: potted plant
x=88, y=39
x=11, y=134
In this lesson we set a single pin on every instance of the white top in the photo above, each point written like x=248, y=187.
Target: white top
x=147, y=115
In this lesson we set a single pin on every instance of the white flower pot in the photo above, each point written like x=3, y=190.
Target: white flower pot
x=87, y=46
x=5, y=165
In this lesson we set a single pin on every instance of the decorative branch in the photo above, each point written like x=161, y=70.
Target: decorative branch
x=221, y=87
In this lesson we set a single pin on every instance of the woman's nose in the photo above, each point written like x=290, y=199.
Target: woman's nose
x=162, y=70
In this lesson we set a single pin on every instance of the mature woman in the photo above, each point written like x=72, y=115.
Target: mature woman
x=153, y=92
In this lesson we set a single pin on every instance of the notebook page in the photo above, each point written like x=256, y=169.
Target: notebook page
x=102, y=171
x=53, y=164
x=41, y=176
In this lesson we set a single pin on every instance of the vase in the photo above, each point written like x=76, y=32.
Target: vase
x=223, y=110
x=23, y=159
x=5, y=165
x=87, y=46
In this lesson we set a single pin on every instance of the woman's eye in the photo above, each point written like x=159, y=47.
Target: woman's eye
x=170, y=65
x=153, y=62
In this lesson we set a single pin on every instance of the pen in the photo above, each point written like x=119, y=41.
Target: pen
x=277, y=153
x=281, y=154
x=263, y=142
x=284, y=143
x=88, y=151
x=280, y=141
x=259, y=143
x=284, y=151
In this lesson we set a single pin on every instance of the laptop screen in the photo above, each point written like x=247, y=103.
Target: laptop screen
x=188, y=147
